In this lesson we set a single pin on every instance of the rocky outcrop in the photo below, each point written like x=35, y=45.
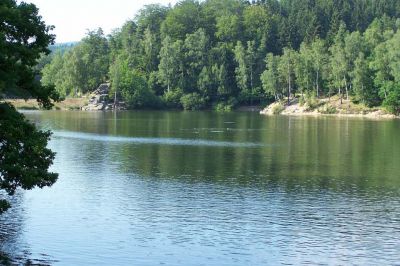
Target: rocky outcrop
x=333, y=107
x=99, y=100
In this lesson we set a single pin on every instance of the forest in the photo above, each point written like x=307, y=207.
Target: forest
x=225, y=53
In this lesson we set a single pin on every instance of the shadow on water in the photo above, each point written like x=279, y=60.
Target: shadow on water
x=14, y=250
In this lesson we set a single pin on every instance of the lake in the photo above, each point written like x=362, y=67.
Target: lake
x=200, y=188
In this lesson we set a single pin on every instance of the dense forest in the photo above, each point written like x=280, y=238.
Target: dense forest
x=223, y=53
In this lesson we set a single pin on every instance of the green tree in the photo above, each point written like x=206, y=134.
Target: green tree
x=241, y=70
x=246, y=76
x=319, y=61
x=195, y=57
x=216, y=48
x=205, y=83
x=95, y=56
x=228, y=28
x=270, y=77
x=183, y=19
x=380, y=63
x=24, y=158
x=150, y=51
x=392, y=100
x=303, y=68
x=338, y=62
x=169, y=66
x=286, y=70
x=132, y=86
x=362, y=82
x=256, y=22
x=83, y=67
x=52, y=74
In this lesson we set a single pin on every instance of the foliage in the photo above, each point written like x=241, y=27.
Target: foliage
x=133, y=88
x=328, y=110
x=250, y=51
x=392, y=102
x=82, y=68
x=226, y=106
x=193, y=101
x=24, y=158
x=278, y=108
x=311, y=101
x=172, y=98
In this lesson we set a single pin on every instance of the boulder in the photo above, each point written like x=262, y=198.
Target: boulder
x=100, y=101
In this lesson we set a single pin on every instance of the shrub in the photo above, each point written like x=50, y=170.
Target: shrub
x=172, y=98
x=223, y=107
x=277, y=109
x=312, y=102
x=392, y=102
x=134, y=90
x=226, y=106
x=193, y=101
x=329, y=110
x=302, y=101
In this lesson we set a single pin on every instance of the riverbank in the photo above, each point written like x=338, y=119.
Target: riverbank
x=332, y=106
x=66, y=105
x=86, y=104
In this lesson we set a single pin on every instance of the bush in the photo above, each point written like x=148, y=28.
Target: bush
x=193, y=101
x=312, y=102
x=392, y=102
x=134, y=89
x=226, y=106
x=302, y=100
x=328, y=110
x=223, y=107
x=172, y=98
x=277, y=109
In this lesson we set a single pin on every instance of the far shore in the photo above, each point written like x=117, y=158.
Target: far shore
x=325, y=107
x=68, y=104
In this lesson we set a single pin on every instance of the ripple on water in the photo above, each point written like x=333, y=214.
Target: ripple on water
x=161, y=141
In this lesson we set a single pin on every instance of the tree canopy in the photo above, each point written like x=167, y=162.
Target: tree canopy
x=247, y=53
x=24, y=158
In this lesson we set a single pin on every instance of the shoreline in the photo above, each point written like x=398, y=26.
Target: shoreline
x=327, y=107
x=316, y=114
x=76, y=104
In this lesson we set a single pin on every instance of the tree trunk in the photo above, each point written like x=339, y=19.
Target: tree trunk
x=347, y=90
x=115, y=99
x=317, y=84
x=362, y=93
x=289, y=84
x=251, y=85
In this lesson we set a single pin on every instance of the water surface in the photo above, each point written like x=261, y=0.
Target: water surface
x=199, y=188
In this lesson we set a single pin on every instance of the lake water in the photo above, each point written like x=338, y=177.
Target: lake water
x=199, y=188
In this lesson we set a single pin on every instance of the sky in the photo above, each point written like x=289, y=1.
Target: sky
x=72, y=18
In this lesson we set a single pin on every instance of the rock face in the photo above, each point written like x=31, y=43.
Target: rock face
x=100, y=101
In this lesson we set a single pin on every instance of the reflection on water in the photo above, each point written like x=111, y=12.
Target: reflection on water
x=148, y=188
x=161, y=141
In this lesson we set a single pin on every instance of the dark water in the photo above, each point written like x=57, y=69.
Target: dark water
x=169, y=188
